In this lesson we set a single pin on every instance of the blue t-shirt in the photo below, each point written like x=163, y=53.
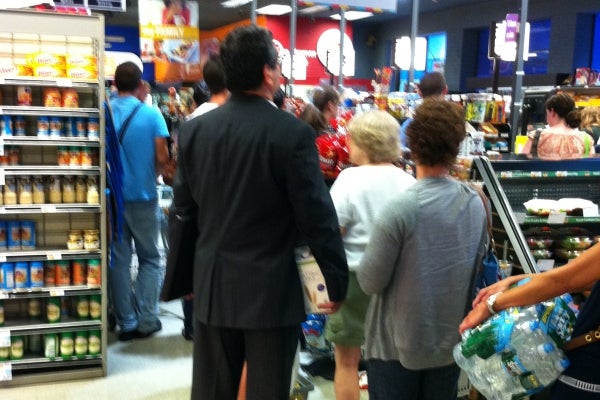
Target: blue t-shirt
x=403, y=138
x=137, y=147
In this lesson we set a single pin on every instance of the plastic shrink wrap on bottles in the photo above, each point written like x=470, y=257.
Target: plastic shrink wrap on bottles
x=517, y=352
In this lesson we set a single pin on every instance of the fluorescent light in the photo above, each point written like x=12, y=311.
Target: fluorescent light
x=353, y=15
x=274, y=9
x=235, y=3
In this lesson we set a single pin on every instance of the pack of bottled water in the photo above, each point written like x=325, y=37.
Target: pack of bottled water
x=517, y=352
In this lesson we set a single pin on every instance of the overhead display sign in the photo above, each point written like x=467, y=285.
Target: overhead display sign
x=366, y=5
x=105, y=5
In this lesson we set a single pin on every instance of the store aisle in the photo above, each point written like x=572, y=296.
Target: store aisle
x=157, y=368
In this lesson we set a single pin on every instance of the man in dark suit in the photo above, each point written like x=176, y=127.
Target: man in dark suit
x=250, y=173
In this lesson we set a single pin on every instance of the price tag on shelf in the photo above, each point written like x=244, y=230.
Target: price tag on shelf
x=4, y=337
x=5, y=372
x=557, y=217
x=48, y=208
x=3, y=295
x=53, y=256
x=2, y=256
x=57, y=292
x=64, y=83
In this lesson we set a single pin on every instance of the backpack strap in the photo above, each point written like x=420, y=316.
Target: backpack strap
x=125, y=125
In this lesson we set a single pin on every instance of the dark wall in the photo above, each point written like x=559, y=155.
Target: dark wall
x=570, y=20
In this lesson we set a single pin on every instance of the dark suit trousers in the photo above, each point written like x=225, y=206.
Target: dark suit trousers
x=219, y=355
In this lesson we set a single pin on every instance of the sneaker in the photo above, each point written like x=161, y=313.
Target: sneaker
x=142, y=335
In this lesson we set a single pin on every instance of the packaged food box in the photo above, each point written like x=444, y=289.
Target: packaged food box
x=46, y=59
x=84, y=61
x=313, y=284
x=82, y=72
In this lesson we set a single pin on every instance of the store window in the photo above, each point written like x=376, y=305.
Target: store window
x=430, y=56
x=596, y=45
x=539, y=49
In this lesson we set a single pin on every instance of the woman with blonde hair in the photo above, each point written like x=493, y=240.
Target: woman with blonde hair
x=590, y=122
x=358, y=194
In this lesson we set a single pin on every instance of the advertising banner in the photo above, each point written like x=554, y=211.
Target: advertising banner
x=169, y=37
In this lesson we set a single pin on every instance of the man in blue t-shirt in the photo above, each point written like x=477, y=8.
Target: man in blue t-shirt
x=432, y=84
x=142, y=133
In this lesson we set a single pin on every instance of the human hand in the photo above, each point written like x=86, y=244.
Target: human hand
x=499, y=286
x=329, y=307
x=476, y=316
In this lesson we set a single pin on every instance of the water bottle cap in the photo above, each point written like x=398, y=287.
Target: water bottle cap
x=545, y=348
x=564, y=363
x=533, y=325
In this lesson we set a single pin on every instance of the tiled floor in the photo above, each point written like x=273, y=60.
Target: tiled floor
x=157, y=368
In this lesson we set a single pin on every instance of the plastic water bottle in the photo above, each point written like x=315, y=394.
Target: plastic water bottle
x=544, y=361
x=474, y=368
x=488, y=338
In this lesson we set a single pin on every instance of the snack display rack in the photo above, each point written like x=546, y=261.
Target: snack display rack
x=511, y=183
x=51, y=329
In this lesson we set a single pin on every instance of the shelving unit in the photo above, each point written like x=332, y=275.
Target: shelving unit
x=82, y=304
x=513, y=182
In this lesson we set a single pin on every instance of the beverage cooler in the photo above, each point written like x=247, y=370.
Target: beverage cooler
x=53, y=240
x=545, y=212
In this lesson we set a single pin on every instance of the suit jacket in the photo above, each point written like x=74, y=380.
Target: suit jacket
x=251, y=173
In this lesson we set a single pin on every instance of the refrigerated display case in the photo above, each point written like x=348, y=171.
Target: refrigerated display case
x=53, y=254
x=546, y=239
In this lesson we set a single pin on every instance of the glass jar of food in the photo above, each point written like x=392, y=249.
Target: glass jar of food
x=91, y=239
x=75, y=240
x=10, y=190
x=25, y=190
x=93, y=196
x=54, y=189
x=80, y=189
x=62, y=156
x=37, y=186
x=68, y=189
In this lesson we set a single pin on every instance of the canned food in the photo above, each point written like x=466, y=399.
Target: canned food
x=56, y=126
x=80, y=127
x=70, y=98
x=6, y=125
x=94, y=272
x=67, y=346
x=82, y=307
x=27, y=235
x=51, y=97
x=16, y=347
x=94, y=342
x=78, y=269
x=36, y=274
x=95, y=306
x=69, y=127
x=4, y=353
x=34, y=308
x=50, y=345
x=14, y=235
x=63, y=273
x=3, y=235
x=74, y=157
x=21, y=275
x=24, y=96
x=81, y=343
x=20, y=125
x=91, y=239
x=43, y=126
x=53, y=309
x=7, y=270
x=92, y=128
x=50, y=273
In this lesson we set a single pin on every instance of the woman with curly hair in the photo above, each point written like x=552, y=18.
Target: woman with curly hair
x=419, y=264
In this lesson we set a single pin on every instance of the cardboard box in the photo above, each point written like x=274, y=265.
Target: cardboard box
x=313, y=284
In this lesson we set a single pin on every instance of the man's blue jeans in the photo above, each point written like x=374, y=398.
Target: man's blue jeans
x=389, y=380
x=136, y=303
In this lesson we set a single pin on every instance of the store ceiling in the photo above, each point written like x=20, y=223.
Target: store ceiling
x=213, y=15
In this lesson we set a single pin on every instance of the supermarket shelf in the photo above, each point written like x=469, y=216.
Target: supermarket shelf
x=49, y=111
x=58, y=362
x=48, y=170
x=35, y=327
x=546, y=174
x=43, y=292
x=48, y=254
x=50, y=208
x=49, y=141
x=53, y=82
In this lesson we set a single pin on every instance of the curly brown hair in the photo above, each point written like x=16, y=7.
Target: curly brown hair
x=436, y=132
